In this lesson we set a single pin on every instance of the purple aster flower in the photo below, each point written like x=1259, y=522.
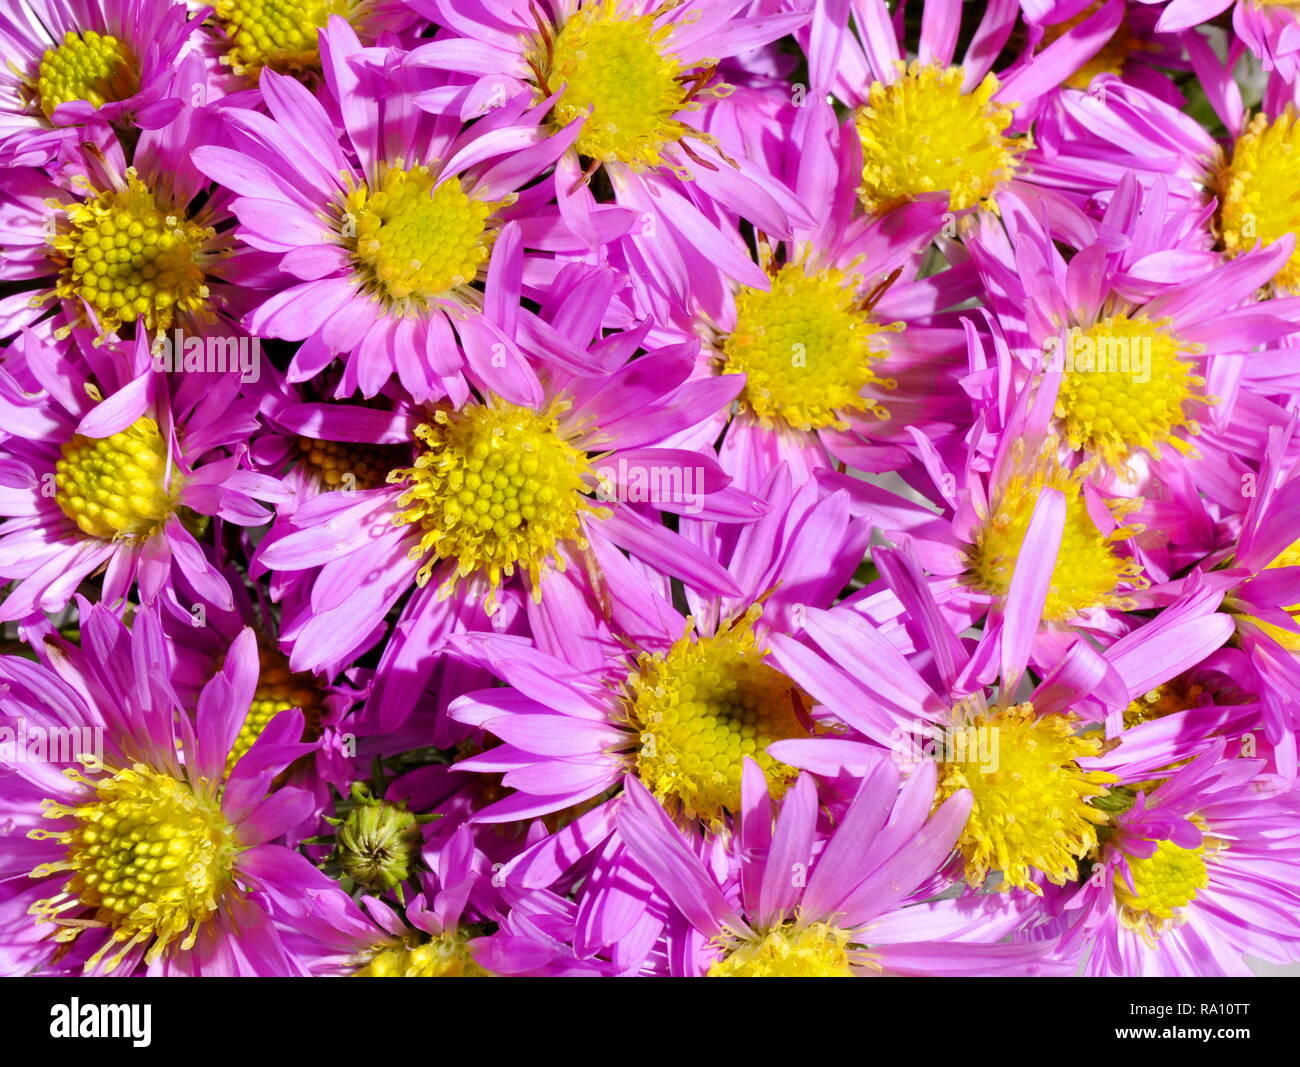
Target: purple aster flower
x=695, y=695
x=71, y=62
x=1197, y=873
x=499, y=494
x=382, y=245
x=142, y=851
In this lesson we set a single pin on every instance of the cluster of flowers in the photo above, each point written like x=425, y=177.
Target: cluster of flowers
x=624, y=487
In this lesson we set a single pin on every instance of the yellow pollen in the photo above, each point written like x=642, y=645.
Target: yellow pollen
x=1112, y=57
x=1087, y=573
x=617, y=65
x=346, y=464
x=496, y=487
x=1259, y=192
x=1163, y=883
x=412, y=243
x=129, y=259
x=1125, y=388
x=806, y=348
x=922, y=134
x=789, y=951
x=704, y=706
x=446, y=956
x=1031, y=810
x=90, y=66
x=280, y=34
x=278, y=689
x=1288, y=639
x=113, y=487
x=148, y=855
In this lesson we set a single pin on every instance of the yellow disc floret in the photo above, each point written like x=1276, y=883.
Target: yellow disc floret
x=280, y=34
x=129, y=258
x=701, y=708
x=616, y=67
x=446, y=956
x=1087, y=572
x=1125, y=389
x=1030, y=808
x=346, y=464
x=1259, y=195
x=818, y=950
x=496, y=487
x=149, y=855
x=1163, y=883
x=806, y=347
x=90, y=66
x=922, y=134
x=114, y=487
x=412, y=242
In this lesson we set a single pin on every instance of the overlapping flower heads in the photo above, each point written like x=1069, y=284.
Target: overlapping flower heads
x=623, y=487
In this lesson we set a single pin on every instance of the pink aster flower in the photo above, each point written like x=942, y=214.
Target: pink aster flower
x=693, y=697
x=805, y=906
x=840, y=347
x=382, y=243
x=1146, y=343
x=944, y=700
x=975, y=119
x=71, y=62
x=125, y=236
x=1198, y=873
x=143, y=852
x=500, y=494
x=115, y=468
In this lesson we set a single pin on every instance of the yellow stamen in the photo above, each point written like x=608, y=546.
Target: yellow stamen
x=705, y=705
x=922, y=134
x=113, y=487
x=90, y=66
x=1259, y=198
x=496, y=487
x=1030, y=810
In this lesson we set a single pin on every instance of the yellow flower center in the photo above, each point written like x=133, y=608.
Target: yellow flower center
x=789, y=951
x=128, y=258
x=1087, y=572
x=922, y=134
x=1259, y=196
x=496, y=487
x=413, y=243
x=1163, y=882
x=806, y=348
x=148, y=854
x=280, y=34
x=113, y=487
x=616, y=66
x=89, y=66
x=1124, y=389
x=1030, y=810
x=346, y=464
x=447, y=956
x=704, y=706
x=278, y=689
